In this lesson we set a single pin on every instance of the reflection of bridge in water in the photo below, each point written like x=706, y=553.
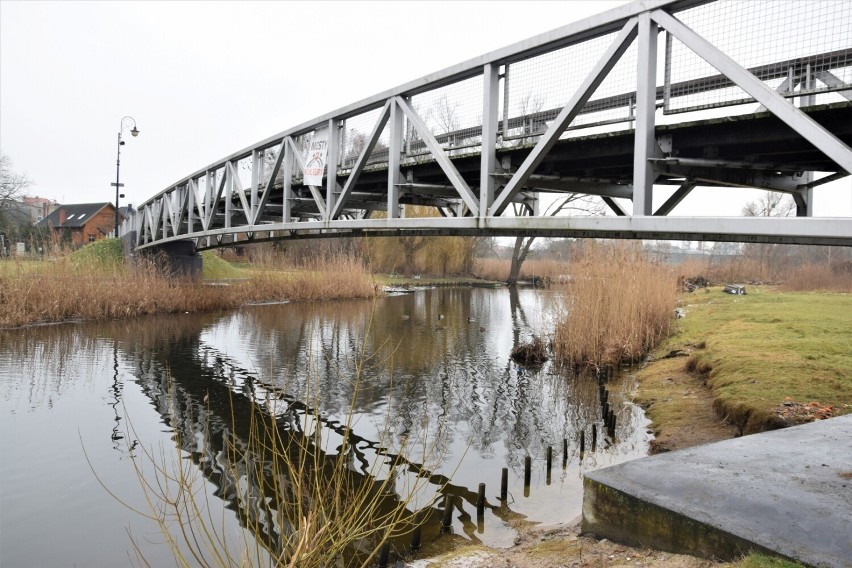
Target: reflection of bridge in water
x=753, y=94
x=181, y=361
x=210, y=405
x=208, y=399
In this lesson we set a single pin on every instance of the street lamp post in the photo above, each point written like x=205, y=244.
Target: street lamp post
x=118, y=186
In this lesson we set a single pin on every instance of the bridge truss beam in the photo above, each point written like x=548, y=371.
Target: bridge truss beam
x=452, y=142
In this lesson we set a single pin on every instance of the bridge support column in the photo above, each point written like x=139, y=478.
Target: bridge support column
x=646, y=106
x=490, y=122
x=805, y=198
x=394, y=160
x=175, y=259
x=332, y=191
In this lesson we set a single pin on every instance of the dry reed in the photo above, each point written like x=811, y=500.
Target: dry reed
x=812, y=277
x=618, y=305
x=66, y=288
x=821, y=274
x=491, y=269
x=498, y=269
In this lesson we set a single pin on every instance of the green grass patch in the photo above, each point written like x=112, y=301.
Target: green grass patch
x=105, y=256
x=217, y=268
x=16, y=267
x=767, y=348
x=763, y=561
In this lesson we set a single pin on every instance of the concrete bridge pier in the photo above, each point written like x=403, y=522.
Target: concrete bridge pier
x=176, y=259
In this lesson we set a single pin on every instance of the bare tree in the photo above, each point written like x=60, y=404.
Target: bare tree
x=445, y=115
x=584, y=204
x=527, y=106
x=355, y=143
x=770, y=256
x=771, y=204
x=13, y=216
x=12, y=185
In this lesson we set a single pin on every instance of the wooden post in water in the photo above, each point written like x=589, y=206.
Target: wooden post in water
x=549, y=458
x=564, y=452
x=415, y=539
x=504, y=484
x=582, y=442
x=384, y=554
x=480, y=500
x=527, y=470
x=447, y=522
x=594, y=436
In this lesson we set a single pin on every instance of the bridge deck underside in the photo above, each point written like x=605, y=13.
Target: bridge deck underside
x=599, y=164
x=750, y=150
x=607, y=159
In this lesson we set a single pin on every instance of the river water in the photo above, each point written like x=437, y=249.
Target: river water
x=81, y=403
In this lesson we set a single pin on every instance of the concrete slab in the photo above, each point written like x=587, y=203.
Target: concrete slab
x=788, y=492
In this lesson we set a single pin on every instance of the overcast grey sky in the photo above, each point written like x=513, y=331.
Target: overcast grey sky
x=204, y=79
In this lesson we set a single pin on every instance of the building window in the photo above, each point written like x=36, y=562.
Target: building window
x=91, y=238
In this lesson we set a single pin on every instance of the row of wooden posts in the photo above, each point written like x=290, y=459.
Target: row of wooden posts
x=609, y=420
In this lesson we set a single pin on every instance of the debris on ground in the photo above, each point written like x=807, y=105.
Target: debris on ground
x=694, y=283
x=675, y=353
x=562, y=547
x=738, y=289
x=793, y=413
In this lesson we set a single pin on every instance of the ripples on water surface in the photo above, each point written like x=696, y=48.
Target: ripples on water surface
x=67, y=388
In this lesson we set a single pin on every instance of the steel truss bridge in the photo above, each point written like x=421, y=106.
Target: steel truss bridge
x=754, y=95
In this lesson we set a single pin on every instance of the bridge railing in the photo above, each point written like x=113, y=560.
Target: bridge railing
x=583, y=78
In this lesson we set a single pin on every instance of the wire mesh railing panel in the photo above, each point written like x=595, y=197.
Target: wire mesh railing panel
x=453, y=114
x=536, y=89
x=268, y=158
x=614, y=100
x=797, y=47
x=201, y=188
x=243, y=168
x=217, y=176
x=354, y=136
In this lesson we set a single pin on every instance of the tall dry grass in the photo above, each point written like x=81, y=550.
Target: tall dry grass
x=547, y=268
x=498, y=269
x=823, y=277
x=68, y=288
x=734, y=270
x=793, y=275
x=324, y=278
x=617, y=306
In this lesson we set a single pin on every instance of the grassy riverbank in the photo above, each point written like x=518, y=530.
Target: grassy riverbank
x=94, y=283
x=760, y=361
